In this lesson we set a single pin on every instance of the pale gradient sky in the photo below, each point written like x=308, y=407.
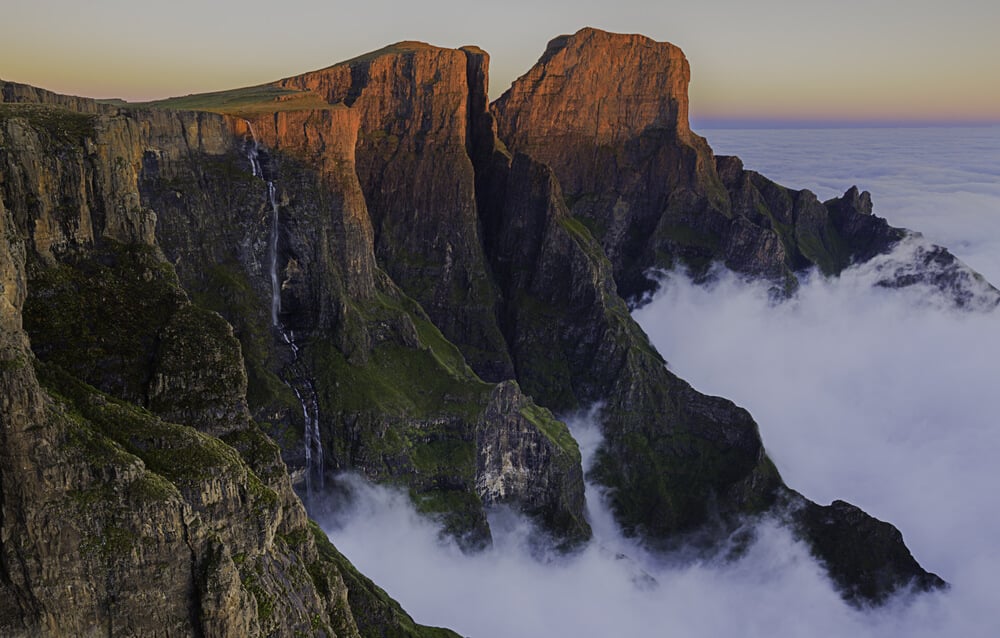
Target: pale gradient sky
x=870, y=59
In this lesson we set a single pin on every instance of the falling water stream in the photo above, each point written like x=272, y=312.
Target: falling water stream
x=299, y=383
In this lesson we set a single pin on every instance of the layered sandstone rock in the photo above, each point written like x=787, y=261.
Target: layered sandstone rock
x=609, y=114
x=414, y=167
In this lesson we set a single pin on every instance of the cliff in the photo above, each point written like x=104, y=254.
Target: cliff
x=414, y=167
x=212, y=299
x=139, y=498
x=390, y=396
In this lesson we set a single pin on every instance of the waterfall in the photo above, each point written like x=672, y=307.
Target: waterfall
x=299, y=383
x=273, y=250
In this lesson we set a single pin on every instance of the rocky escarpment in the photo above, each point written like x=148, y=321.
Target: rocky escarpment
x=138, y=496
x=356, y=249
x=609, y=114
x=559, y=318
x=668, y=450
x=396, y=401
x=676, y=460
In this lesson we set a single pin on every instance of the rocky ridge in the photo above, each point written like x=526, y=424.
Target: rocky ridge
x=609, y=114
x=445, y=268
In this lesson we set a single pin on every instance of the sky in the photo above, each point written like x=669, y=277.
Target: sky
x=885, y=60
x=884, y=398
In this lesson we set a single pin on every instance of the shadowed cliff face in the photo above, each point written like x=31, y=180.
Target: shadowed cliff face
x=396, y=401
x=414, y=255
x=668, y=450
x=325, y=140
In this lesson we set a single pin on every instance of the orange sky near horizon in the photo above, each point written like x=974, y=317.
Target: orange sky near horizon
x=773, y=59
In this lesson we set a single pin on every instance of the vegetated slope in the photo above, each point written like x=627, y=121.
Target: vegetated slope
x=139, y=498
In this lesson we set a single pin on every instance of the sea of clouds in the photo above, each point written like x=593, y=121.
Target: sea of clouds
x=885, y=398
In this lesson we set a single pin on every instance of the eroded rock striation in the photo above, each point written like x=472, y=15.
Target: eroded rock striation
x=372, y=263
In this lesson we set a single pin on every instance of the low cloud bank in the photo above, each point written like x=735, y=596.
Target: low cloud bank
x=612, y=587
x=883, y=398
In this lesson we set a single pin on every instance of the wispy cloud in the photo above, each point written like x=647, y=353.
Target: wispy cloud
x=881, y=398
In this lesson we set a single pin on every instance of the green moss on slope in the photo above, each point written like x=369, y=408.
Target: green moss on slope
x=98, y=315
x=182, y=455
x=553, y=429
x=64, y=127
x=227, y=291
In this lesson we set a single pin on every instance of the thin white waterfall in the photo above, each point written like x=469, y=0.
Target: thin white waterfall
x=273, y=250
x=300, y=384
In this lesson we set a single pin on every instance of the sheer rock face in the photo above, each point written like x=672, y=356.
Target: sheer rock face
x=93, y=542
x=676, y=461
x=325, y=140
x=591, y=89
x=668, y=450
x=609, y=114
x=414, y=166
x=87, y=192
x=413, y=157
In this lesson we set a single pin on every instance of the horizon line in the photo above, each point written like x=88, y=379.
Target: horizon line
x=834, y=123
x=695, y=122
